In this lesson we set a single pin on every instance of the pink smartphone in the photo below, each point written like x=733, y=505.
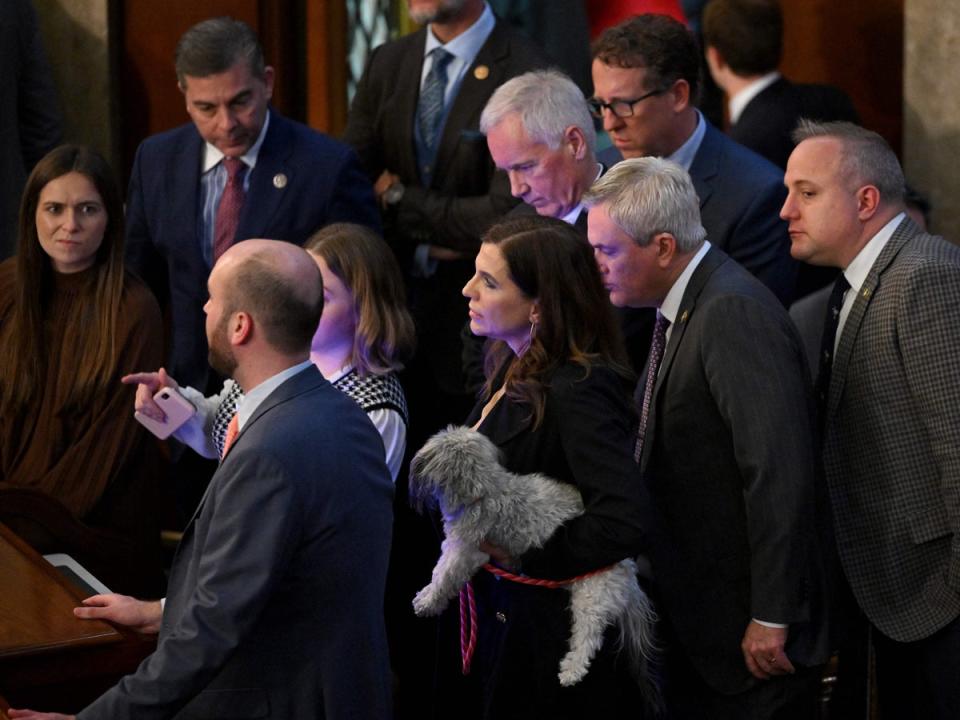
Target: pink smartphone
x=174, y=405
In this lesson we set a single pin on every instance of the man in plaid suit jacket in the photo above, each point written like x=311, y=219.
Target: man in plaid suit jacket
x=891, y=408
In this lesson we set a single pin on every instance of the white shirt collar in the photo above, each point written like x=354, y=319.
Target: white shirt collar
x=253, y=398
x=571, y=217
x=740, y=101
x=211, y=156
x=684, y=155
x=858, y=269
x=671, y=303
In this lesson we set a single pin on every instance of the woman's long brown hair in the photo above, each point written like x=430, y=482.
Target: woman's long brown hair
x=22, y=347
x=552, y=263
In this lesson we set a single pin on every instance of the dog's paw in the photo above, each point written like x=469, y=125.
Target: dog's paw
x=571, y=671
x=425, y=603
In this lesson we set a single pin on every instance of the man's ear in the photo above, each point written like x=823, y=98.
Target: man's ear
x=868, y=201
x=576, y=141
x=268, y=77
x=240, y=328
x=679, y=94
x=666, y=248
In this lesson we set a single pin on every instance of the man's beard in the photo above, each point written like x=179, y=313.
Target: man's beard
x=445, y=11
x=220, y=355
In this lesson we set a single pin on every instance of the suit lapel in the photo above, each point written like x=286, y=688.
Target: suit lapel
x=303, y=381
x=263, y=195
x=475, y=90
x=905, y=232
x=408, y=95
x=183, y=190
x=703, y=169
x=710, y=262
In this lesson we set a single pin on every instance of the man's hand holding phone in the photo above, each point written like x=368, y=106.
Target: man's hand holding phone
x=159, y=406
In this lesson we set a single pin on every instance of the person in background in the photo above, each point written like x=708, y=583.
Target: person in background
x=72, y=323
x=557, y=401
x=31, y=124
x=238, y=170
x=646, y=76
x=364, y=334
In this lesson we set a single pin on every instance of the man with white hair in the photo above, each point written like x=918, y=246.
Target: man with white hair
x=726, y=452
x=540, y=132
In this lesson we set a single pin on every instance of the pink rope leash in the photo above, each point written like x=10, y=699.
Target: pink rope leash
x=468, y=606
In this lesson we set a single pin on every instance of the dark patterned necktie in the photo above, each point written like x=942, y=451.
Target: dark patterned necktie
x=827, y=343
x=228, y=211
x=653, y=366
x=430, y=107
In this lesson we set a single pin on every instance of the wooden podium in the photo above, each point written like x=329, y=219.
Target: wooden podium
x=49, y=659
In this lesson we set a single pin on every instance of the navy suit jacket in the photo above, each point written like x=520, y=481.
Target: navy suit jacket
x=323, y=184
x=275, y=604
x=741, y=195
x=729, y=467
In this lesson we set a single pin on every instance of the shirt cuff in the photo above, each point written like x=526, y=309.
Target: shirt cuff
x=770, y=624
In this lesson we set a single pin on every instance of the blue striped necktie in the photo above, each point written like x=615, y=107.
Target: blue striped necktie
x=430, y=108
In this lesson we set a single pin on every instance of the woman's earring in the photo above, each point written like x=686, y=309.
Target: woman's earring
x=533, y=330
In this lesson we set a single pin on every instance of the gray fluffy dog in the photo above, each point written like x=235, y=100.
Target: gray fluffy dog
x=480, y=500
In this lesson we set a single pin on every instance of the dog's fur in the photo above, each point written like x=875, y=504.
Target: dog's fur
x=460, y=470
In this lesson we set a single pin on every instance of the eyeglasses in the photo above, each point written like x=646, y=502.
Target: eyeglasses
x=620, y=108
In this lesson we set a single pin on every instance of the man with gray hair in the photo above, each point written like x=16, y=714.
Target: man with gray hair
x=726, y=452
x=889, y=391
x=540, y=133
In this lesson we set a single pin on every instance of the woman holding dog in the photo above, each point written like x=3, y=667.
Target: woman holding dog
x=557, y=402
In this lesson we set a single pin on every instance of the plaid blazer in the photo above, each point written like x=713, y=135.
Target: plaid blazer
x=892, y=438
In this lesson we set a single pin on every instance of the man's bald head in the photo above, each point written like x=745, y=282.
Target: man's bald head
x=279, y=285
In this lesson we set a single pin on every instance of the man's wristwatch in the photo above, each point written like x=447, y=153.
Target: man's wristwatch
x=394, y=194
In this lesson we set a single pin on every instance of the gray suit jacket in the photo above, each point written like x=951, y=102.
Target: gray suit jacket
x=276, y=592
x=730, y=472
x=892, y=438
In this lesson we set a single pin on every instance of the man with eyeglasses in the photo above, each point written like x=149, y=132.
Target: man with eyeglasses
x=646, y=77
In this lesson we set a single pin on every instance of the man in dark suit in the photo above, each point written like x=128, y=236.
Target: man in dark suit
x=275, y=605
x=646, y=76
x=290, y=181
x=744, y=45
x=726, y=451
x=891, y=408
x=30, y=122
x=414, y=122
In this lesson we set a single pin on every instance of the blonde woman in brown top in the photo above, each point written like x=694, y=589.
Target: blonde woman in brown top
x=72, y=322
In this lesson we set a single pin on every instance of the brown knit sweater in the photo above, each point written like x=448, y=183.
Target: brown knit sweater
x=95, y=460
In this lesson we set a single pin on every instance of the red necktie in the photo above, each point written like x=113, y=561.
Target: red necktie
x=233, y=429
x=228, y=211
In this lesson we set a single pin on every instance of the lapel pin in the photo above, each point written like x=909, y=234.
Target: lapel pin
x=279, y=181
x=481, y=72
x=866, y=293
x=686, y=314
